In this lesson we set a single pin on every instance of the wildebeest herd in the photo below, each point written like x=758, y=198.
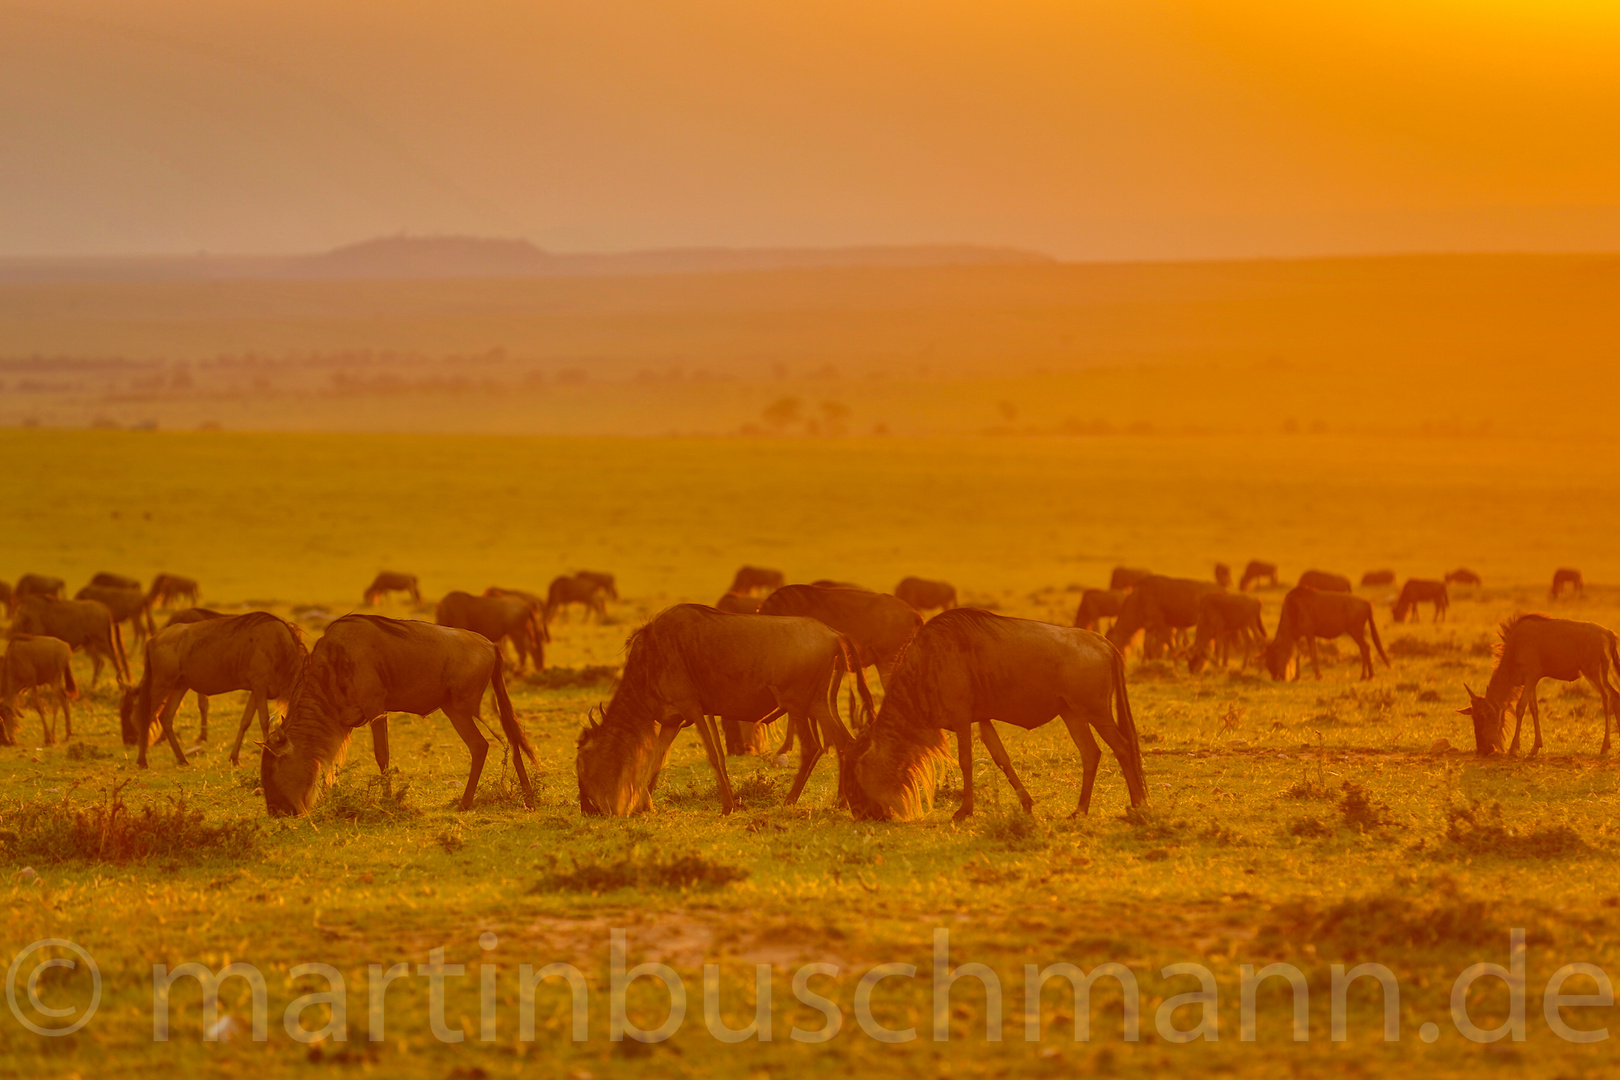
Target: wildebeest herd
x=765, y=650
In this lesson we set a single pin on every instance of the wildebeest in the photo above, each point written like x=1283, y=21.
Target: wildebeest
x=751, y=579
x=1421, y=591
x=104, y=580
x=31, y=663
x=1159, y=605
x=5, y=595
x=1324, y=581
x=925, y=595
x=1463, y=576
x=1536, y=647
x=35, y=585
x=1379, y=577
x=1223, y=575
x=181, y=618
x=126, y=605
x=537, y=604
x=256, y=652
x=880, y=626
x=1097, y=605
x=739, y=603
x=168, y=590
x=1224, y=620
x=969, y=667
x=365, y=667
x=1126, y=577
x=498, y=618
x=584, y=589
x=1256, y=573
x=83, y=624
x=604, y=583
x=692, y=663
x=388, y=581
x=828, y=583
x=1566, y=576
x=1310, y=614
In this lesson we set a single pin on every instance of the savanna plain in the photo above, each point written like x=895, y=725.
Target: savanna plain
x=1309, y=822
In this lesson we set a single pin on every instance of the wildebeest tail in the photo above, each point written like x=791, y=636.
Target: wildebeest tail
x=1372, y=627
x=1126, y=722
x=69, y=686
x=515, y=735
x=852, y=664
x=120, y=658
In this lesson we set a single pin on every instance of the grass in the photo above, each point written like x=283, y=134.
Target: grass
x=1419, y=859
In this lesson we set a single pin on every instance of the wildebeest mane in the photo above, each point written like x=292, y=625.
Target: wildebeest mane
x=1506, y=628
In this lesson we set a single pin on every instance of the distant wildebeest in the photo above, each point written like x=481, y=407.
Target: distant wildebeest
x=83, y=624
x=1421, y=591
x=1126, y=577
x=1463, y=576
x=1097, y=605
x=1324, y=581
x=498, y=618
x=35, y=585
x=1223, y=575
x=388, y=581
x=969, y=667
x=1224, y=620
x=31, y=663
x=1310, y=614
x=827, y=583
x=1258, y=572
x=537, y=604
x=365, y=667
x=692, y=663
x=1379, y=577
x=924, y=595
x=126, y=605
x=256, y=652
x=605, y=583
x=1536, y=647
x=1565, y=576
x=880, y=626
x=739, y=603
x=105, y=580
x=584, y=589
x=170, y=590
x=1158, y=605
x=752, y=579
x=181, y=618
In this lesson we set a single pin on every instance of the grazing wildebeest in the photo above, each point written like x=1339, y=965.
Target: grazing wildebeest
x=1159, y=605
x=969, y=667
x=1310, y=614
x=83, y=624
x=105, y=580
x=1324, y=581
x=576, y=589
x=1566, y=576
x=692, y=663
x=365, y=667
x=924, y=595
x=1421, y=591
x=739, y=603
x=537, y=604
x=498, y=618
x=752, y=579
x=126, y=605
x=1536, y=647
x=388, y=581
x=30, y=663
x=880, y=626
x=181, y=618
x=604, y=583
x=1224, y=620
x=1223, y=575
x=256, y=652
x=35, y=585
x=1378, y=577
x=168, y=590
x=1097, y=605
x=1126, y=577
x=1463, y=576
x=827, y=583
x=1257, y=572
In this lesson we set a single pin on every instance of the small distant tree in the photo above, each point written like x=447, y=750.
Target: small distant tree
x=1009, y=411
x=835, y=417
x=783, y=411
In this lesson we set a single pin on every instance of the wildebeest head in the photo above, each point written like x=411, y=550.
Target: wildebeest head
x=288, y=778
x=613, y=765
x=127, y=701
x=1278, y=654
x=1490, y=724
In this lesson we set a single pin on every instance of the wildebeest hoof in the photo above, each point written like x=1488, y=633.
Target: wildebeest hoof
x=962, y=815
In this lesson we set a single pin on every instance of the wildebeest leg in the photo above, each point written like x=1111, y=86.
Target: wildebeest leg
x=1090, y=758
x=1366, y=653
x=67, y=720
x=1535, y=714
x=667, y=730
x=255, y=704
x=379, y=749
x=711, y=745
x=465, y=721
x=810, y=752
x=1518, y=719
x=964, y=758
x=166, y=731
x=998, y=754
x=202, y=712
x=47, y=726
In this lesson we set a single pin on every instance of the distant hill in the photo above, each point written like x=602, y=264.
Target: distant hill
x=427, y=257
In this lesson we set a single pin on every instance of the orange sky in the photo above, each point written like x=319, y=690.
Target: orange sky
x=1088, y=128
